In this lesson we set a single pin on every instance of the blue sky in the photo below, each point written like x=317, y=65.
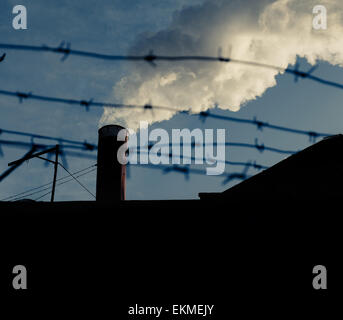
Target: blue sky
x=112, y=27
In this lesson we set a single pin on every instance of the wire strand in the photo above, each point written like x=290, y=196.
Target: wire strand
x=203, y=115
x=58, y=184
x=84, y=187
x=65, y=50
x=44, y=185
x=64, y=183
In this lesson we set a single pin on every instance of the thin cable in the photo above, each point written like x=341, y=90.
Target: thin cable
x=64, y=183
x=49, y=188
x=77, y=180
x=42, y=196
x=44, y=185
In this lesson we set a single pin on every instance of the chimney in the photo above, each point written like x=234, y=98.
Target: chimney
x=110, y=182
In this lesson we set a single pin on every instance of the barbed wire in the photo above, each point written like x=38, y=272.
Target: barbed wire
x=84, y=103
x=176, y=168
x=209, y=160
x=258, y=146
x=313, y=135
x=10, y=170
x=141, y=150
x=185, y=170
x=63, y=153
x=261, y=147
x=74, y=177
x=40, y=146
x=65, y=50
x=260, y=125
x=85, y=144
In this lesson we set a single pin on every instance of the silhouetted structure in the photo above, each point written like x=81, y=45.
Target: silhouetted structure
x=315, y=171
x=249, y=249
x=110, y=183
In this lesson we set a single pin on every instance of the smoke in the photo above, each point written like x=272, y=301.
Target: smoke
x=266, y=31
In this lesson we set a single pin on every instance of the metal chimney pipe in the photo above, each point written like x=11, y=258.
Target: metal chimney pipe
x=111, y=174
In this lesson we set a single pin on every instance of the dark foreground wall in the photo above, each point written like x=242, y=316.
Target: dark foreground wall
x=241, y=255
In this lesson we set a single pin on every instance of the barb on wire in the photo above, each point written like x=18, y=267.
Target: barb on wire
x=302, y=74
x=64, y=49
x=183, y=169
x=237, y=175
x=2, y=58
x=234, y=176
x=22, y=95
x=63, y=157
x=11, y=169
x=151, y=58
x=261, y=147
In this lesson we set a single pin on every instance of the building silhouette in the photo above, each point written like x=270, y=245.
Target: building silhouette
x=250, y=249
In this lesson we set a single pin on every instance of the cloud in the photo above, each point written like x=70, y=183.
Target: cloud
x=272, y=32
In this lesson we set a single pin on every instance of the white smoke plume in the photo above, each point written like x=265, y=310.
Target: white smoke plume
x=266, y=31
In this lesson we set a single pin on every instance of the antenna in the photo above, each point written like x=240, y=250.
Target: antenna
x=38, y=155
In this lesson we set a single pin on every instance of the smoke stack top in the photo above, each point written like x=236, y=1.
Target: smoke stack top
x=111, y=174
